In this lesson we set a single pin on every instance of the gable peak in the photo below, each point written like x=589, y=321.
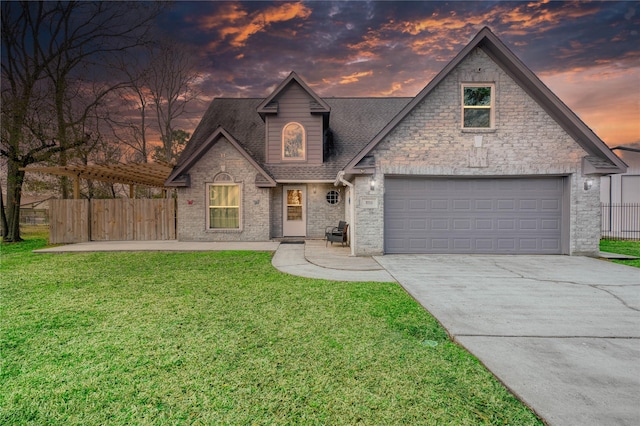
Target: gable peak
x=266, y=105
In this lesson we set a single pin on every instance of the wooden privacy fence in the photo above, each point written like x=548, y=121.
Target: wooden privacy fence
x=620, y=221
x=74, y=221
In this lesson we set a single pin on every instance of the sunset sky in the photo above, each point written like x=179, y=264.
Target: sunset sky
x=588, y=53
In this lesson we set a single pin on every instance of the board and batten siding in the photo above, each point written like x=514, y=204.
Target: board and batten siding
x=293, y=106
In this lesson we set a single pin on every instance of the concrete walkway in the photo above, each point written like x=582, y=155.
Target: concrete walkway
x=314, y=260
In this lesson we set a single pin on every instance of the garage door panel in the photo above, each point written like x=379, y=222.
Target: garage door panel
x=417, y=204
x=550, y=244
x=483, y=204
x=508, y=205
x=528, y=205
x=461, y=205
x=461, y=224
x=439, y=204
x=484, y=244
x=484, y=224
x=473, y=215
x=552, y=205
x=550, y=224
x=439, y=224
x=505, y=224
x=418, y=224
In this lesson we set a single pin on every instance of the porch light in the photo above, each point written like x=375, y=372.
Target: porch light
x=372, y=183
x=588, y=184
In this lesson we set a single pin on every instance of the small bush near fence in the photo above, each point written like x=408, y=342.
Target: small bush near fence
x=620, y=221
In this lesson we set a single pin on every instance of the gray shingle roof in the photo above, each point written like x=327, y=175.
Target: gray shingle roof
x=354, y=122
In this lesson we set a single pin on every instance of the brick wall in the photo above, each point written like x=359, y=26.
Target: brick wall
x=525, y=142
x=320, y=213
x=192, y=202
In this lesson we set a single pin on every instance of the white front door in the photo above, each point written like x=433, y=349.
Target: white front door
x=294, y=212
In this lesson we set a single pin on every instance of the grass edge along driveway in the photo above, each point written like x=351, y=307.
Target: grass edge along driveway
x=224, y=338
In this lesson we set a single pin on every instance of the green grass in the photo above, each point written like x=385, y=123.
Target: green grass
x=622, y=247
x=224, y=338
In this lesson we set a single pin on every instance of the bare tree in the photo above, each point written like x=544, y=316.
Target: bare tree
x=56, y=73
x=172, y=80
x=130, y=121
x=162, y=83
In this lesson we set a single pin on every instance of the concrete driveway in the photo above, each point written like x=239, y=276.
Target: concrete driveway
x=563, y=333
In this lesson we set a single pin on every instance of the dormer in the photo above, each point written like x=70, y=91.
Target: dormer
x=295, y=120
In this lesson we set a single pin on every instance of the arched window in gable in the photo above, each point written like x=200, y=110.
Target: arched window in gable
x=294, y=142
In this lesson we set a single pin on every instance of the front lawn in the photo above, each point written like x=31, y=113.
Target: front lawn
x=224, y=338
x=631, y=248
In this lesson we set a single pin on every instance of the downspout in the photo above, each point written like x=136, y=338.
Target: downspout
x=352, y=208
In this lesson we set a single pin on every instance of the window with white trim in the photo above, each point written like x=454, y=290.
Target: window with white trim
x=224, y=206
x=478, y=106
x=293, y=142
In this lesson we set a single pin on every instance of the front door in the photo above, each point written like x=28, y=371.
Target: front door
x=294, y=213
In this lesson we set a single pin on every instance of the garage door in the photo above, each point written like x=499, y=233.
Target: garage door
x=519, y=216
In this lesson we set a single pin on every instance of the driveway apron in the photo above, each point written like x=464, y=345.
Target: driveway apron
x=562, y=332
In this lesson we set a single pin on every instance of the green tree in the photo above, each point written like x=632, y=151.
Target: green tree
x=175, y=145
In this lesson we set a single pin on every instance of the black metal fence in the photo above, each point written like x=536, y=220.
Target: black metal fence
x=620, y=221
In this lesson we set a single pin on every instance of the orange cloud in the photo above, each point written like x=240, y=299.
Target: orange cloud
x=355, y=77
x=439, y=33
x=612, y=110
x=228, y=13
x=395, y=88
x=236, y=24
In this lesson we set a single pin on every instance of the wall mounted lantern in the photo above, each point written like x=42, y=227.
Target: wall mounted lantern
x=588, y=184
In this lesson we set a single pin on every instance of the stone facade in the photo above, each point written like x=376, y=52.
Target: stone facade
x=526, y=141
x=320, y=213
x=261, y=208
x=223, y=157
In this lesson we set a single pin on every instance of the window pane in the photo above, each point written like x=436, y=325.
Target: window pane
x=294, y=212
x=224, y=217
x=224, y=206
x=294, y=196
x=477, y=96
x=293, y=141
x=224, y=196
x=477, y=117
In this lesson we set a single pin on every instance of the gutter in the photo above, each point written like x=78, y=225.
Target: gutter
x=352, y=208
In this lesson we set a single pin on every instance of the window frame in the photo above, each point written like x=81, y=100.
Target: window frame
x=337, y=198
x=491, y=107
x=209, y=205
x=304, y=142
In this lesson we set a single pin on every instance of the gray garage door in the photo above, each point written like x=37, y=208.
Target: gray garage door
x=519, y=216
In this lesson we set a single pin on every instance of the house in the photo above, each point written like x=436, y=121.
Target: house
x=620, y=198
x=485, y=159
x=623, y=188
